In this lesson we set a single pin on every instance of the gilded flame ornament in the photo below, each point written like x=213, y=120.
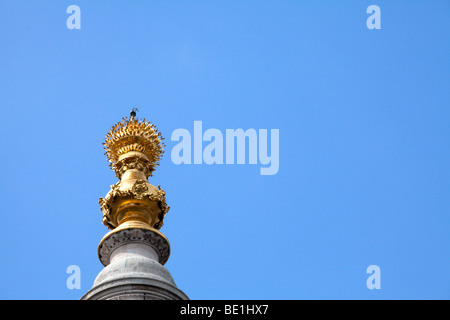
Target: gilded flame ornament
x=133, y=143
x=134, y=148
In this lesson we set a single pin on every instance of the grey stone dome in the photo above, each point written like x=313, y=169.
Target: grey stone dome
x=134, y=274
x=134, y=266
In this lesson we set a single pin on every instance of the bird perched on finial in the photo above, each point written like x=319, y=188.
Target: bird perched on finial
x=133, y=113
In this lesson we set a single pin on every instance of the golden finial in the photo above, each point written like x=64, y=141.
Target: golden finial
x=134, y=148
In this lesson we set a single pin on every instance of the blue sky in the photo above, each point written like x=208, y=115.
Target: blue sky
x=363, y=117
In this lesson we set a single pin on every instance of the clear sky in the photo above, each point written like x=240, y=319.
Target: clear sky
x=363, y=118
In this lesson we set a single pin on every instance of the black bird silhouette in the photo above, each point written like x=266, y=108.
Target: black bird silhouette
x=133, y=112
